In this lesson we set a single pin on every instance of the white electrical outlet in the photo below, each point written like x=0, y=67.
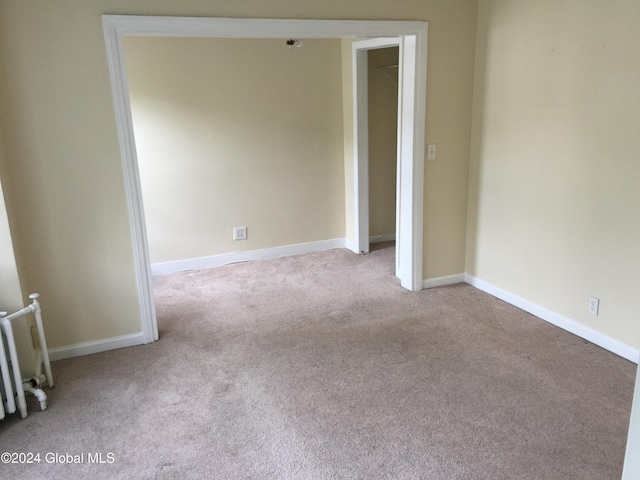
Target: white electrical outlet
x=594, y=304
x=239, y=233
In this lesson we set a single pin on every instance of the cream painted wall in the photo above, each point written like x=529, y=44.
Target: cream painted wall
x=383, y=150
x=10, y=290
x=69, y=214
x=554, y=197
x=237, y=132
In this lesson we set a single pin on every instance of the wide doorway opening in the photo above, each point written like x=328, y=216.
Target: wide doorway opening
x=413, y=43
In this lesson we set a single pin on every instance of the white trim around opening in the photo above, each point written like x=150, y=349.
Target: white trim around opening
x=413, y=38
x=359, y=61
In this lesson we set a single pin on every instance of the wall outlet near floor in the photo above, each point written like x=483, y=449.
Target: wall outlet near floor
x=594, y=304
x=239, y=233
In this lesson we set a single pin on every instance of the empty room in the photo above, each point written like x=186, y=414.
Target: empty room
x=192, y=188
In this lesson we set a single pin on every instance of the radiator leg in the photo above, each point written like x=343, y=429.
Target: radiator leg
x=43, y=342
x=38, y=393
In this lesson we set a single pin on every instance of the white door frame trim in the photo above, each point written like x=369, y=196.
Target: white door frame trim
x=410, y=156
x=359, y=62
x=413, y=37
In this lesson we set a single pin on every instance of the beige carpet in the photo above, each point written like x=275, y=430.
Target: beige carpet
x=320, y=366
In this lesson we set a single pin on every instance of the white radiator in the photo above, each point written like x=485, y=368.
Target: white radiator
x=12, y=386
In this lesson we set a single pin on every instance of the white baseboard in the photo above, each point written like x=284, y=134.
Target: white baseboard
x=442, y=281
x=97, y=346
x=582, y=331
x=235, y=257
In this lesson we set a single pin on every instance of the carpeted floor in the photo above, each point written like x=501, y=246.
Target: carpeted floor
x=320, y=366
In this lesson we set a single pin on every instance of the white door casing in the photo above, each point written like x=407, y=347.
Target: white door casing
x=359, y=58
x=404, y=234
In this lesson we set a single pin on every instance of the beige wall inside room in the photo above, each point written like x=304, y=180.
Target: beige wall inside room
x=10, y=289
x=11, y=299
x=237, y=132
x=69, y=212
x=554, y=196
x=383, y=150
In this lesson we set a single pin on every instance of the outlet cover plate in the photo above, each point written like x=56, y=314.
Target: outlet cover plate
x=239, y=233
x=594, y=304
